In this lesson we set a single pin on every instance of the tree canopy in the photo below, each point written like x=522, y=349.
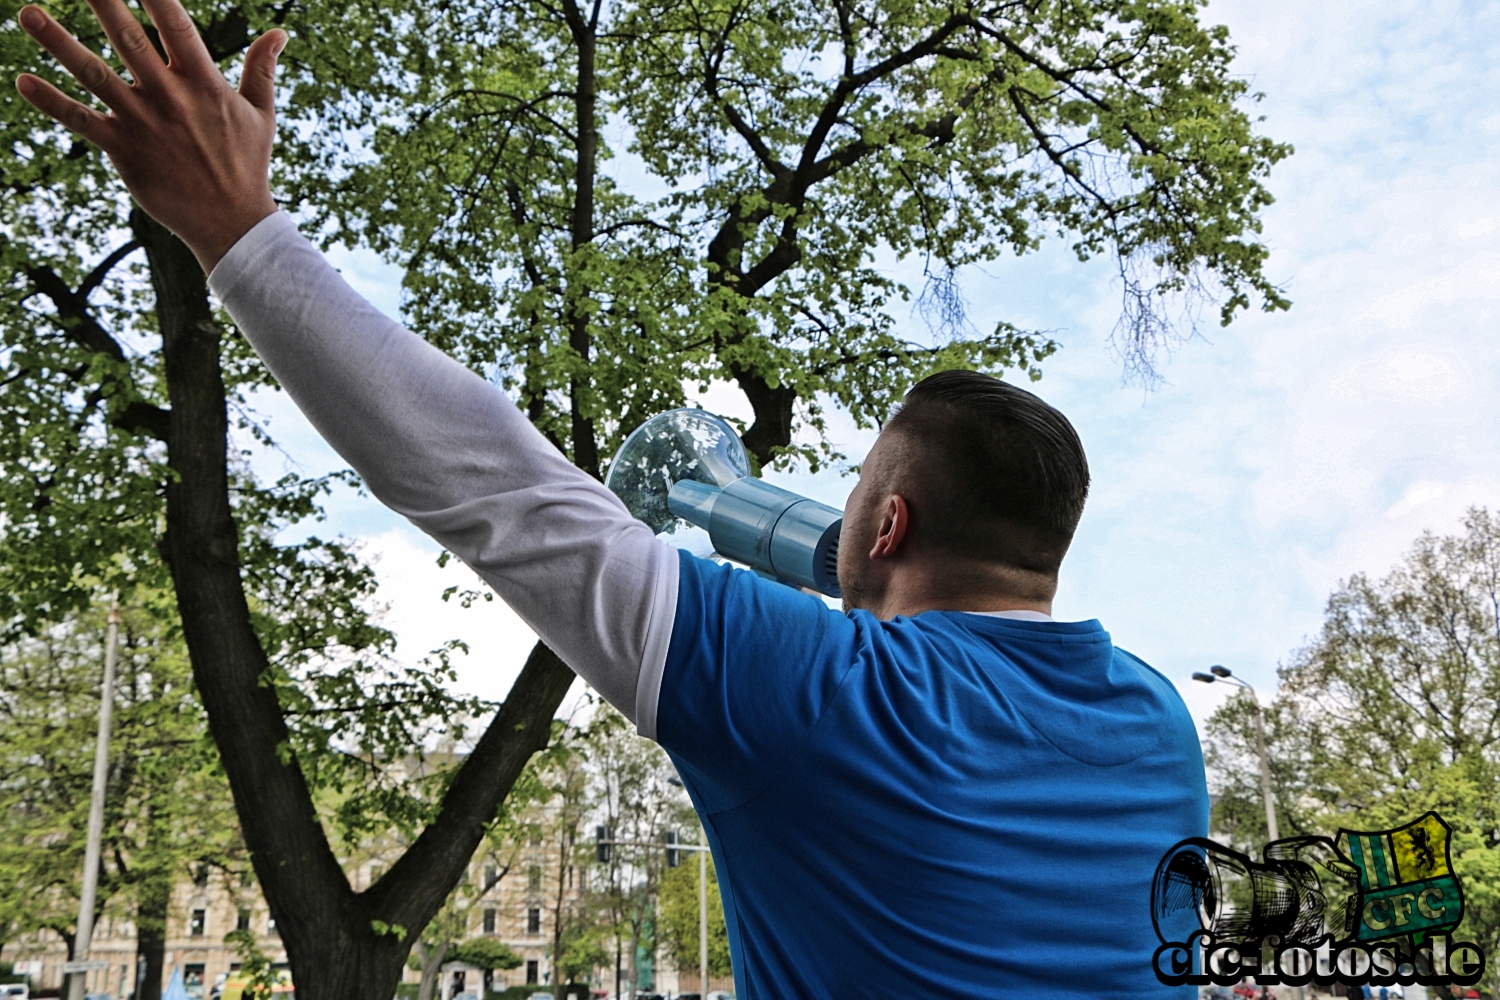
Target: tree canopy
x=1391, y=710
x=679, y=918
x=767, y=160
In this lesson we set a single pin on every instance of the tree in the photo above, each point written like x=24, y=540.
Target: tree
x=557, y=821
x=1392, y=710
x=167, y=809
x=679, y=918
x=783, y=146
x=118, y=386
x=637, y=798
x=488, y=954
x=446, y=936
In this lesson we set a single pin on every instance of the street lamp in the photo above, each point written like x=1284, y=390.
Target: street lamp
x=79, y=968
x=1218, y=673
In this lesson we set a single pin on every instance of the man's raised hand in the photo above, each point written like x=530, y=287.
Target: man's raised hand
x=194, y=152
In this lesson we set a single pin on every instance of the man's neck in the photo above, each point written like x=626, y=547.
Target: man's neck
x=978, y=604
x=911, y=593
x=1022, y=616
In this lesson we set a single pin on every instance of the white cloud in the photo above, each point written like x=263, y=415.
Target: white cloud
x=1465, y=283
x=1420, y=493
x=1407, y=374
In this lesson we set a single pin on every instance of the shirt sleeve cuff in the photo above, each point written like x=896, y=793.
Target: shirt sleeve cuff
x=662, y=620
x=240, y=262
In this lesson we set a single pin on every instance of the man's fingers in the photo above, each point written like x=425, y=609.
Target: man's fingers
x=257, y=80
x=85, y=121
x=86, y=67
x=129, y=40
x=179, y=36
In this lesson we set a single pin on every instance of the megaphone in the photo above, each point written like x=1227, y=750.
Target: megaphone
x=688, y=468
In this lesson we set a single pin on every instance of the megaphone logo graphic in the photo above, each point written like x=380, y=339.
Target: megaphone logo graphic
x=1365, y=908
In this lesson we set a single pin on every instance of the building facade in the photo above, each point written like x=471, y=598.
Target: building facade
x=515, y=903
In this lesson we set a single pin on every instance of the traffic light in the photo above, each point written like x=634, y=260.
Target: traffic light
x=674, y=856
x=604, y=847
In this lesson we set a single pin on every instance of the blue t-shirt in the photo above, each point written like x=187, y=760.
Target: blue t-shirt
x=945, y=805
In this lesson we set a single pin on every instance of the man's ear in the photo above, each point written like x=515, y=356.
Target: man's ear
x=892, y=527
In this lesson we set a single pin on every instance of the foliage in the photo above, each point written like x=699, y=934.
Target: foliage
x=771, y=158
x=679, y=918
x=583, y=951
x=485, y=953
x=167, y=809
x=256, y=971
x=1392, y=710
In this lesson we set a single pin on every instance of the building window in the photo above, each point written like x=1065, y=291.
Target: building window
x=489, y=921
x=491, y=875
x=197, y=924
x=534, y=921
x=271, y=930
x=531, y=976
x=534, y=878
x=242, y=920
x=192, y=978
x=200, y=876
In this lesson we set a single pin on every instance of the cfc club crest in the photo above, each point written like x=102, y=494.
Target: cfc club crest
x=1406, y=882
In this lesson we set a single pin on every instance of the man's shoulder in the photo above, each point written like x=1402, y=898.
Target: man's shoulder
x=1087, y=698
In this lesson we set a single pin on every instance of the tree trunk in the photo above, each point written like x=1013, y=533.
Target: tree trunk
x=153, y=894
x=432, y=965
x=772, y=406
x=635, y=951
x=327, y=928
x=585, y=110
x=67, y=983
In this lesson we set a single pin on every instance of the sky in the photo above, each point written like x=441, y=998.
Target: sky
x=1280, y=455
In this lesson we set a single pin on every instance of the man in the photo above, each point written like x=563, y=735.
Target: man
x=942, y=792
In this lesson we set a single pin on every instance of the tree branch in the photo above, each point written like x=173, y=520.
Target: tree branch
x=415, y=887
x=101, y=271
x=77, y=322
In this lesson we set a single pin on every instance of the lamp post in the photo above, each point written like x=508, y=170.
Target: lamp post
x=1218, y=673
x=84, y=936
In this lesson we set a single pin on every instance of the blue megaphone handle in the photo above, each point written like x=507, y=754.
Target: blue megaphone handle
x=766, y=528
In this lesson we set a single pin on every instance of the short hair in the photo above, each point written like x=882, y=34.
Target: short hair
x=996, y=474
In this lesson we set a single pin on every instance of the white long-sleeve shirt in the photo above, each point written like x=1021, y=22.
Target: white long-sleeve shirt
x=443, y=447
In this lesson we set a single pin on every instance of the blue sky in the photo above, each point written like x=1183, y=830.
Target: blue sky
x=1281, y=454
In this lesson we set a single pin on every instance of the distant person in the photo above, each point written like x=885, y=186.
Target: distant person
x=942, y=791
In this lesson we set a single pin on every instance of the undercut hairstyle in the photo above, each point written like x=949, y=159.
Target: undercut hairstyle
x=989, y=471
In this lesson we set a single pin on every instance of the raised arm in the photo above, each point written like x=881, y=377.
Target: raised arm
x=443, y=447
x=431, y=439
